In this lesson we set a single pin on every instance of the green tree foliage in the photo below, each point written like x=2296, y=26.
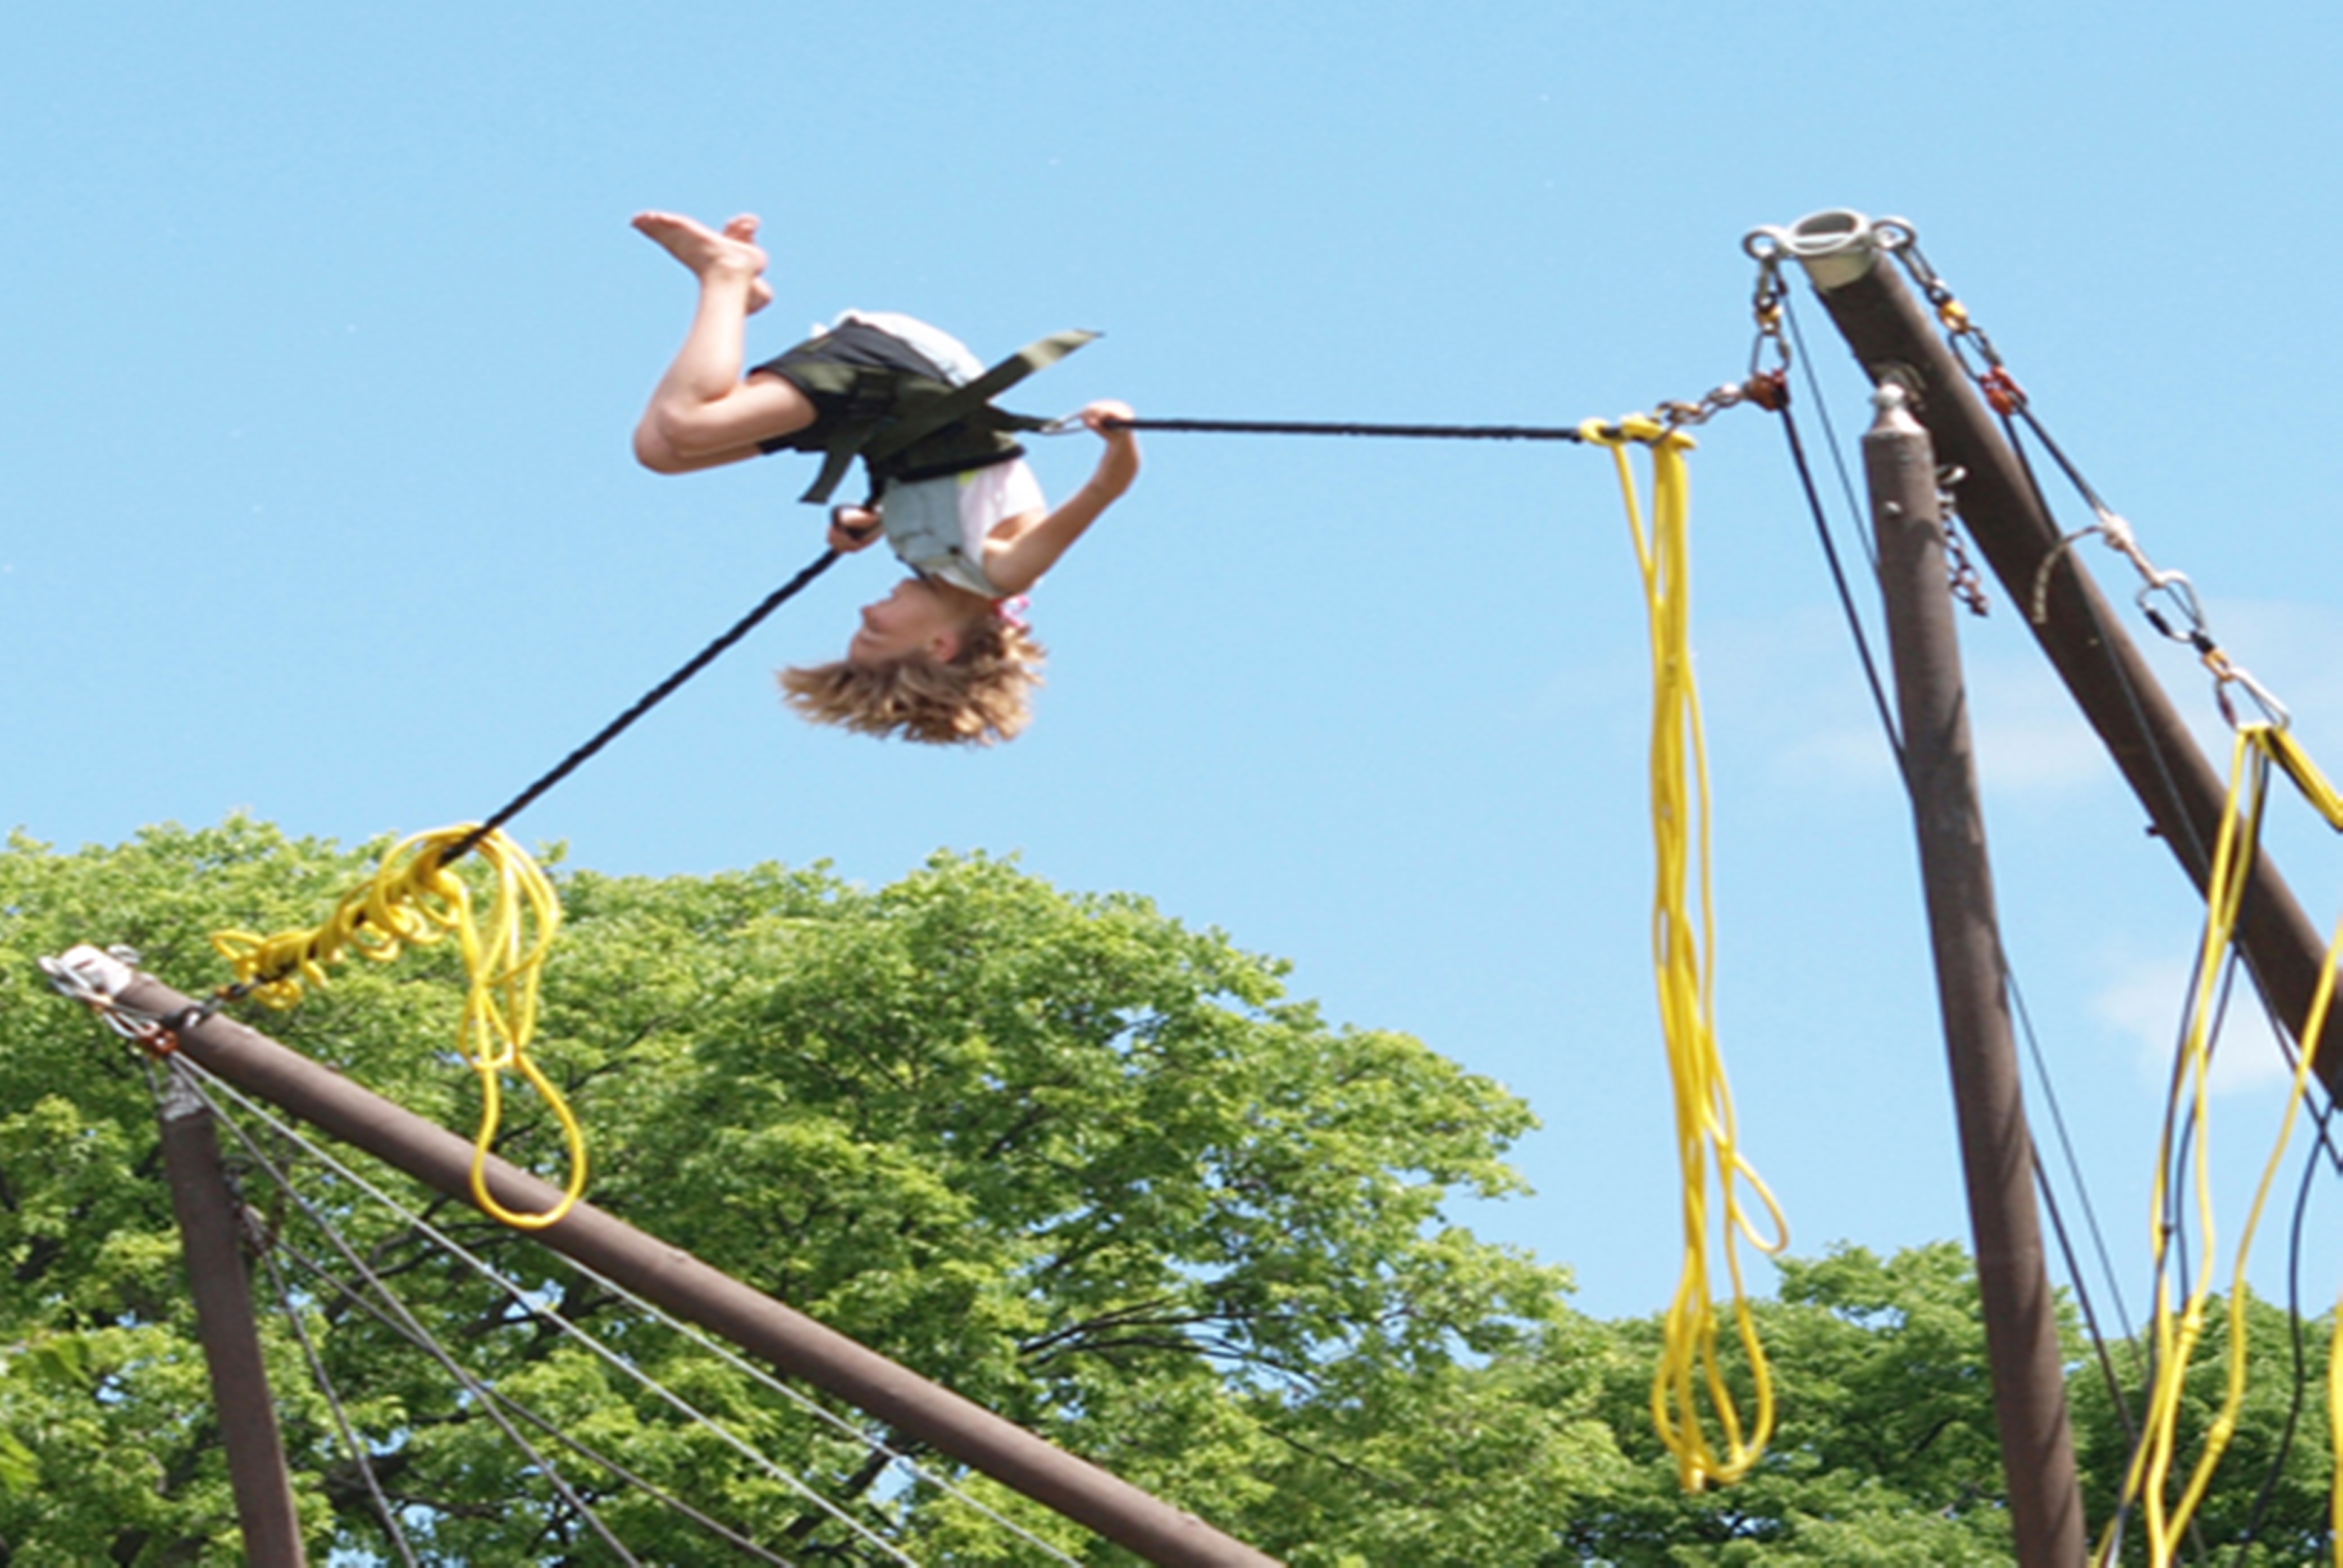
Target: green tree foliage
x=1083, y=1164
x=2269, y=1501
x=1090, y=1167
x=1887, y=1450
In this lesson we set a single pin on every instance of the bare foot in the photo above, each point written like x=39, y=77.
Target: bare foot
x=743, y=230
x=708, y=253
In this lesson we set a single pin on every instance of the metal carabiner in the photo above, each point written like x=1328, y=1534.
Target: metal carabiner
x=2176, y=587
x=2228, y=672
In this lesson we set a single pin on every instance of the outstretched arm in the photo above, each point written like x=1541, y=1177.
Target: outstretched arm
x=1016, y=563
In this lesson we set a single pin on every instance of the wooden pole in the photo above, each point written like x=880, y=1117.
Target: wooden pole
x=209, y=1235
x=1895, y=341
x=682, y=1284
x=2021, y=1321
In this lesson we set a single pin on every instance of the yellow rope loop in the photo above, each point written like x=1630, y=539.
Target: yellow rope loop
x=2178, y=1331
x=1690, y=1387
x=414, y=899
x=2286, y=751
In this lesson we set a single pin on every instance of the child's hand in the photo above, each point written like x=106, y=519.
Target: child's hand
x=1096, y=416
x=853, y=528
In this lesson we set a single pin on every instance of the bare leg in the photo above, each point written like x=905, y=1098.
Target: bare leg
x=702, y=413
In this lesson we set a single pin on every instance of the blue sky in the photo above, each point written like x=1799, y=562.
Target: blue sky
x=324, y=332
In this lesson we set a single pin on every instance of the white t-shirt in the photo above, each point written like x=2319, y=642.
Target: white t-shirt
x=939, y=527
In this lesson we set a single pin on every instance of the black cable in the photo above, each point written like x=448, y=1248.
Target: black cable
x=2201, y=865
x=562, y=770
x=1307, y=427
x=2009, y=978
x=1830, y=434
x=2276, y=1473
x=643, y=704
x=1846, y=595
x=2107, y=1373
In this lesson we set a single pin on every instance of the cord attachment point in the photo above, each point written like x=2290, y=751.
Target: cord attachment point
x=96, y=978
x=92, y=976
x=2228, y=672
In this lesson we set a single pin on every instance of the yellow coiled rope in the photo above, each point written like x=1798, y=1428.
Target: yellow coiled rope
x=414, y=899
x=2177, y=1332
x=1691, y=1379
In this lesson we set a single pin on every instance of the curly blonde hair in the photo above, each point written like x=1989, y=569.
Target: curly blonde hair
x=983, y=695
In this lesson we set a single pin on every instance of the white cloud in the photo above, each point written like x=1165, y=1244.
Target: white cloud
x=2144, y=1000
x=2030, y=736
x=2031, y=739
x=2027, y=734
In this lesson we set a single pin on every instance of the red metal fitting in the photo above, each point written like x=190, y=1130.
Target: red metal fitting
x=2002, y=390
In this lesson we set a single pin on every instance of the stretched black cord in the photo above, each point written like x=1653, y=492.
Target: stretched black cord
x=643, y=704
x=1312, y=428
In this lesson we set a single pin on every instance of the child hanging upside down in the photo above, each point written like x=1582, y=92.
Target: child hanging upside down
x=944, y=658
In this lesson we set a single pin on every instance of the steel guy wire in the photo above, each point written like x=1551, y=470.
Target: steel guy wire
x=2025, y=1016
x=763, y=1376
x=351, y=1443
x=509, y=1286
x=136, y=1026
x=1845, y=594
x=521, y=1295
x=551, y=1428
x=2024, y=1019
x=194, y=1076
x=1830, y=434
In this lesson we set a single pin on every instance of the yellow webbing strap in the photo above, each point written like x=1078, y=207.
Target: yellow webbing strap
x=414, y=900
x=1682, y=944
x=2177, y=1332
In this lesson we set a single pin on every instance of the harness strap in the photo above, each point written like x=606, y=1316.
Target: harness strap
x=915, y=407
x=962, y=402
x=845, y=441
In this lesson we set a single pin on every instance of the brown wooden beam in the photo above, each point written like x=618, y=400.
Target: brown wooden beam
x=682, y=1284
x=2021, y=1314
x=1895, y=341
x=212, y=1241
